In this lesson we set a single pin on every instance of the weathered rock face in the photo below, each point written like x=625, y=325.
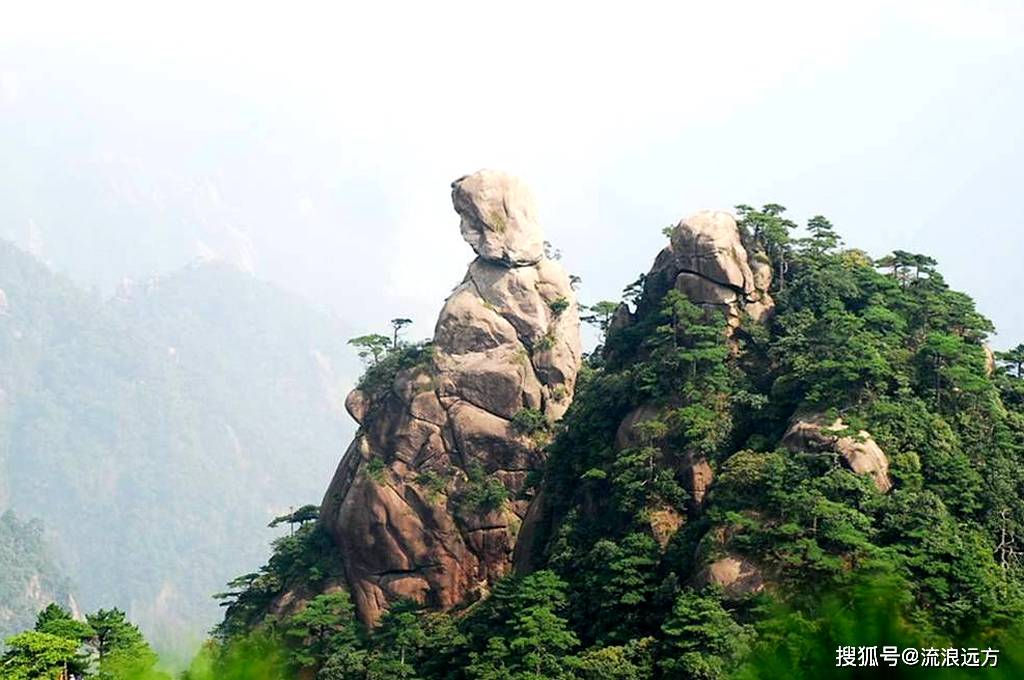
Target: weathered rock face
x=814, y=434
x=498, y=218
x=708, y=262
x=734, y=574
x=402, y=506
x=726, y=567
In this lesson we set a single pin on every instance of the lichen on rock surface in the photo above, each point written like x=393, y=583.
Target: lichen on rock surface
x=429, y=498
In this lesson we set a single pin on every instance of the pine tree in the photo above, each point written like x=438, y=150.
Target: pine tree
x=326, y=625
x=700, y=638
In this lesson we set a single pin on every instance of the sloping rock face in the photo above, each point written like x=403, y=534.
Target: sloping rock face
x=404, y=504
x=814, y=434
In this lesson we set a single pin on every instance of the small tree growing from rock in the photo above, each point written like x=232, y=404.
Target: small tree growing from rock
x=396, y=329
x=372, y=347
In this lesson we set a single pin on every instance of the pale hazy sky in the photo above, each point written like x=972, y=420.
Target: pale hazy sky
x=319, y=140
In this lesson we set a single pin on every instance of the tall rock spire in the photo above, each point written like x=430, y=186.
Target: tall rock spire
x=429, y=498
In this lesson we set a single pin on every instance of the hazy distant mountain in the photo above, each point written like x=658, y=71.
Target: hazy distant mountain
x=118, y=217
x=129, y=197
x=29, y=576
x=158, y=431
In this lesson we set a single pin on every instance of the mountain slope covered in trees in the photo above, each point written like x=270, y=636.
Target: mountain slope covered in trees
x=726, y=497
x=148, y=430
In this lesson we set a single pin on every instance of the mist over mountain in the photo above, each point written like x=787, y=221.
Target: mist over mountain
x=148, y=190
x=30, y=578
x=157, y=431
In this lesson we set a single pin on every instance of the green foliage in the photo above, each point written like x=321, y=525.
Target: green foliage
x=434, y=483
x=1012, y=361
x=559, y=305
x=700, y=639
x=895, y=352
x=402, y=634
x=307, y=513
x=873, y=611
x=599, y=314
x=121, y=650
x=546, y=342
x=526, y=637
x=372, y=347
x=304, y=558
x=257, y=655
x=632, y=661
x=104, y=647
x=325, y=626
x=376, y=469
x=768, y=228
x=397, y=325
x=55, y=620
x=529, y=422
x=380, y=374
x=33, y=656
x=620, y=576
x=480, y=493
x=884, y=345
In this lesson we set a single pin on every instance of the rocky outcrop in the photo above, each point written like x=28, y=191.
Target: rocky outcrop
x=429, y=498
x=692, y=470
x=859, y=453
x=734, y=574
x=665, y=522
x=708, y=261
x=722, y=564
x=499, y=218
x=5, y=306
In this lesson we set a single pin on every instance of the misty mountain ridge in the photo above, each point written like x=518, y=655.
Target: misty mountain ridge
x=157, y=431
